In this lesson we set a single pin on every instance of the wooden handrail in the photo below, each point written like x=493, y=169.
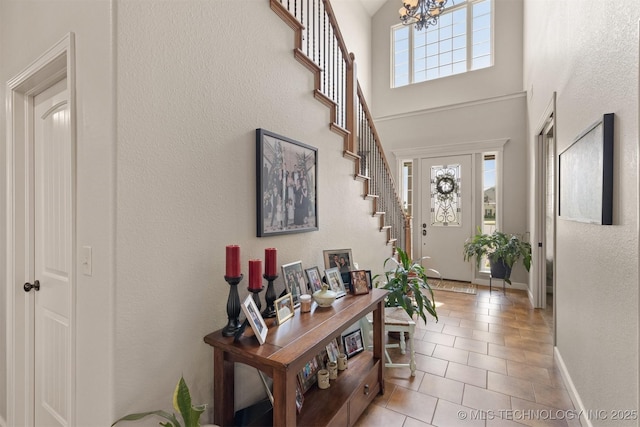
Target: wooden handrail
x=320, y=47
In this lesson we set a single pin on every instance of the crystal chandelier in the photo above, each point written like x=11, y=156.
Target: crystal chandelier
x=421, y=12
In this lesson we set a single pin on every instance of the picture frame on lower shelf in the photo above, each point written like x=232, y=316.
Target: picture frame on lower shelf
x=353, y=343
x=308, y=375
x=333, y=350
x=299, y=397
x=255, y=319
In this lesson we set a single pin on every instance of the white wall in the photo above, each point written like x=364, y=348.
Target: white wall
x=355, y=27
x=193, y=85
x=504, y=78
x=590, y=59
x=166, y=161
x=21, y=45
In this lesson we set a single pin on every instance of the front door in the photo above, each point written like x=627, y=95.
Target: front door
x=53, y=243
x=446, y=214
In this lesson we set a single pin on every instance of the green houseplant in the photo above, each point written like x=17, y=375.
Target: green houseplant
x=405, y=283
x=502, y=249
x=181, y=403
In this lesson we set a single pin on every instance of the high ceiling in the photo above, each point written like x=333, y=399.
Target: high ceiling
x=372, y=6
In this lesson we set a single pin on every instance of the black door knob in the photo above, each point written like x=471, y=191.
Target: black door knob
x=28, y=286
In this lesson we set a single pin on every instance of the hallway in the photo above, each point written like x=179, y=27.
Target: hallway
x=489, y=360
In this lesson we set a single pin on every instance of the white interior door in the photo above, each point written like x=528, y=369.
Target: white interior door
x=446, y=214
x=53, y=225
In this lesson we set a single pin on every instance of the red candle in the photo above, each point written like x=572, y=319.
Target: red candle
x=233, y=261
x=255, y=274
x=270, y=260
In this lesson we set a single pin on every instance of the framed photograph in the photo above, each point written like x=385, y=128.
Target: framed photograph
x=286, y=182
x=353, y=343
x=299, y=397
x=284, y=308
x=307, y=376
x=360, y=282
x=333, y=351
x=294, y=281
x=334, y=279
x=338, y=258
x=586, y=175
x=315, y=280
x=255, y=319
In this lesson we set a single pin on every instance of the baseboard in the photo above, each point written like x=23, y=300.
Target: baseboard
x=571, y=388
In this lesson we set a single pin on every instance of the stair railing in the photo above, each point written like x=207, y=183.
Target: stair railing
x=319, y=46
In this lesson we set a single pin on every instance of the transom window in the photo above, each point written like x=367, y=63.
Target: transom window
x=459, y=42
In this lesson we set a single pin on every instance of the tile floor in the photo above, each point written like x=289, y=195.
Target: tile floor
x=487, y=362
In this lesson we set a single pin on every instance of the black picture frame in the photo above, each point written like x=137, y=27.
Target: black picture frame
x=352, y=343
x=586, y=175
x=286, y=185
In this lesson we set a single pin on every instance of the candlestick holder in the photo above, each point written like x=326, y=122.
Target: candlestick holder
x=256, y=296
x=270, y=297
x=233, y=307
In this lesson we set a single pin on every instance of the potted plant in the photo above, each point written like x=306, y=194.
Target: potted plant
x=502, y=249
x=405, y=283
x=182, y=403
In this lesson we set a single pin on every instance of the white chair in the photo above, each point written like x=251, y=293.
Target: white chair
x=395, y=320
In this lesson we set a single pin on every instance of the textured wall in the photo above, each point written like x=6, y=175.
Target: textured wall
x=591, y=60
x=194, y=83
x=21, y=45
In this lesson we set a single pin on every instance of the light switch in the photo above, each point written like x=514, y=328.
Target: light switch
x=85, y=260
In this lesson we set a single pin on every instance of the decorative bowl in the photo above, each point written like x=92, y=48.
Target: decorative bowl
x=324, y=297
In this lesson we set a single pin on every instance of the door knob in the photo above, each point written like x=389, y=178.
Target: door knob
x=28, y=286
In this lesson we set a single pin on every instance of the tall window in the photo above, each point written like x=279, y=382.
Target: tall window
x=407, y=187
x=490, y=201
x=460, y=42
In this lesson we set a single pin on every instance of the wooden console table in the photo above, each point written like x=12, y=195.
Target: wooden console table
x=289, y=347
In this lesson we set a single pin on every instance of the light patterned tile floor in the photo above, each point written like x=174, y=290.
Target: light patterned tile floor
x=488, y=362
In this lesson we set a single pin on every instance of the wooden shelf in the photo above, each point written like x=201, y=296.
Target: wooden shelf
x=289, y=347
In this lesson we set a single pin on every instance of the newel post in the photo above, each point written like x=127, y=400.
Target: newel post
x=351, y=104
x=407, y=236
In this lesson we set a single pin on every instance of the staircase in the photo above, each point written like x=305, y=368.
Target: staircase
x=319, y=46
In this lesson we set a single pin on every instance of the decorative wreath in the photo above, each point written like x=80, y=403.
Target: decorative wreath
x=446, y=184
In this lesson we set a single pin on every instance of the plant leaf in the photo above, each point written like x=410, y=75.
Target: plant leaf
x=173, y=421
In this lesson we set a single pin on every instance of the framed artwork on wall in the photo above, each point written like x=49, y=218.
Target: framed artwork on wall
x=586, y=175
x=286, y=184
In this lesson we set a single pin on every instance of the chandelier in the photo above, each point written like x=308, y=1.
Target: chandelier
x=421, y=12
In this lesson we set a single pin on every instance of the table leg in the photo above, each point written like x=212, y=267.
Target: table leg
x=284, y=397
x=223, y=389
